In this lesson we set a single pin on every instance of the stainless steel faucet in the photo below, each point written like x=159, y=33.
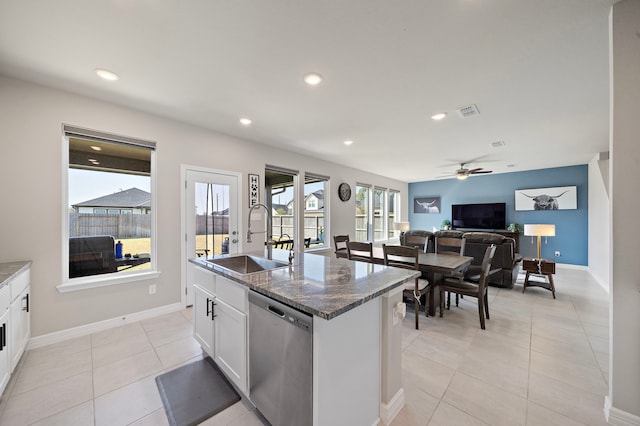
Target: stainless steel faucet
x=290, y=247
x=267, y=232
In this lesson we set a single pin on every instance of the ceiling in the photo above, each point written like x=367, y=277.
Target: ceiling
x=537, y=70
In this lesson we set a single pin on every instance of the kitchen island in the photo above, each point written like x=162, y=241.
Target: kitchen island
x=356, y=329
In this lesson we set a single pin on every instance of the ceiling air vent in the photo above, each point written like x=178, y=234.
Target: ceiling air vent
x=497, y=144
x=468, y=111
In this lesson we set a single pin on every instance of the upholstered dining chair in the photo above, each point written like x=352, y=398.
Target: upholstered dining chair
x=362, y=252
x=340, y=244
x=407, y=258
x=450, y=242
x=459, y=285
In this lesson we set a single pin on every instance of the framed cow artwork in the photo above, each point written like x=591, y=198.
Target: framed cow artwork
x=429, y=205
x=558, y=198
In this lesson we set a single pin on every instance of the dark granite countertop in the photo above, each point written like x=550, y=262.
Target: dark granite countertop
x=318, y=285
x=9, y=270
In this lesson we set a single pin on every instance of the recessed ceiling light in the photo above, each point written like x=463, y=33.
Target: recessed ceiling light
x=94, y=161
x=245, y=121
x=107, y=75
x=348, y=142
x=313, y=79
x=96, y=148
x=439, y=116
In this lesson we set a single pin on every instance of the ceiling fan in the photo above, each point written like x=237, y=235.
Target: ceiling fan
x=463, y=172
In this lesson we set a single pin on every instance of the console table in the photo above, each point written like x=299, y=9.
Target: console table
x=542, y=267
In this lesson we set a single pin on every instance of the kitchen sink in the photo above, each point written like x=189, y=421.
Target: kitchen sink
x=246, y=264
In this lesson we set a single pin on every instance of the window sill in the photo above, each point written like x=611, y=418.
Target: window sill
x=103, y=281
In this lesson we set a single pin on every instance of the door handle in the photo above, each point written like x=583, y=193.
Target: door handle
x=208, y=309
x=213, y=315
x=26, y=308
x=234, y=233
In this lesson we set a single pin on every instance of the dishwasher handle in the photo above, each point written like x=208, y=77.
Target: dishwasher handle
x=275, y=311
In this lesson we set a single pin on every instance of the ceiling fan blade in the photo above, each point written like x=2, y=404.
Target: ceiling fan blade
x=476, y=170
x=482, y=172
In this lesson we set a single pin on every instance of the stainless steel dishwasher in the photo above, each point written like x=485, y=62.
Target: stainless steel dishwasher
x=280, y=361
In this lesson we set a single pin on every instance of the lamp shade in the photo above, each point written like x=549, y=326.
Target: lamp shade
x=539, y=230
x=401, y=226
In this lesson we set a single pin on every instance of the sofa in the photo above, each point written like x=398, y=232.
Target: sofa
x=505, y=261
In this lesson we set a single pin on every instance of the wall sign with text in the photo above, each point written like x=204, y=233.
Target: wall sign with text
x=254, y=190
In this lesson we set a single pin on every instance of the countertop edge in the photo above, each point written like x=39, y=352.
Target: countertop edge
x=15, y=268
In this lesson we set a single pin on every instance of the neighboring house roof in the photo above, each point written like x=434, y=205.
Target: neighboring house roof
x=276, y=208
x=132, y=197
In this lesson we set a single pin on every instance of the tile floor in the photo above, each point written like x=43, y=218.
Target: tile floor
x=539, y=362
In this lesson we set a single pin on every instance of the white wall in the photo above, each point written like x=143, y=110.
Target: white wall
x=599, y=232
x=624, y=307
x=32, y=174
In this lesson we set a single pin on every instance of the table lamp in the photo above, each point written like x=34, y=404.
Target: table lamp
x=401, y=226
x=539, y=230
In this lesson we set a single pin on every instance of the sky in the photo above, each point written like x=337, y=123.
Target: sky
x=86, y=185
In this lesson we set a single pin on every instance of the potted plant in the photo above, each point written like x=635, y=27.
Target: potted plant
x=515, y=227
x=446, y=224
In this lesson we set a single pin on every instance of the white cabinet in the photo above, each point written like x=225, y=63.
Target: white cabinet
x=5, y=357
x=231, y=343
x=220, y=323
x=204, y=284
x=203, y=318
x=20, y=325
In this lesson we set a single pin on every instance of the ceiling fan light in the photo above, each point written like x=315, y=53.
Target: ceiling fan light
x=462, y=176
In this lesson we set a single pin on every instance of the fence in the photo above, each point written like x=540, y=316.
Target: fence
x=313, y=226
x=116, y=225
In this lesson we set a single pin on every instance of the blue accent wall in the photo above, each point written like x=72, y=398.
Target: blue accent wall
x=572, y=226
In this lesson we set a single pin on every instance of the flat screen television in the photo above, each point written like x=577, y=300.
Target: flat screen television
x=478, y=216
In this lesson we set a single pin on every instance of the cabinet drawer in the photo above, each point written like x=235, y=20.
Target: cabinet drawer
x=232, y=293
x=5, y=298
x=19, y=283
x=204, y=279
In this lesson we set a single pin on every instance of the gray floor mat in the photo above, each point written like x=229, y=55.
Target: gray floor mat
x=194, y=392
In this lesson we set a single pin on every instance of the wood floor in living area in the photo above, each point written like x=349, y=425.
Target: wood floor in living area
x=539, y=362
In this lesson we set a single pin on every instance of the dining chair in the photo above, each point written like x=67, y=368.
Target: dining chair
x=450, y=242
x=362, y=252
x=459, y=285
x=407, y=258
x=340, y=244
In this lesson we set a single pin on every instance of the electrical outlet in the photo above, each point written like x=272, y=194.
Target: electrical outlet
x=557, y=253
x=152, y=289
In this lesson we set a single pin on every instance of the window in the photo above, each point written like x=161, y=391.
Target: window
x=363, y=212
x=393, y=213
x=280, y=184
x=379, y=214
x=316, y=215
x=109, y=222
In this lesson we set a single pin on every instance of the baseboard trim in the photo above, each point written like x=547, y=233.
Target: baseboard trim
x=572, y=266
x=83, y=330
x=389, y=411
x=615, y=416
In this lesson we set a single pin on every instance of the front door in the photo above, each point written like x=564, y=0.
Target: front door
x=210, y=219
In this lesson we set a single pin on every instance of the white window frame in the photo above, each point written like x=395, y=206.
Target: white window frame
x=369, y=218
x=384, y=213
x=396, y=211
x=326, y=210
x=101, y=280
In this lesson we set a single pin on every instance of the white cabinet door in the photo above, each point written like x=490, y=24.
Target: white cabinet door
x=20, y=326
x=5, y=366
x=203, y=318
x=231, y=343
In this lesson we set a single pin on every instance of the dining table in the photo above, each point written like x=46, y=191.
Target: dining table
x=435, y=265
